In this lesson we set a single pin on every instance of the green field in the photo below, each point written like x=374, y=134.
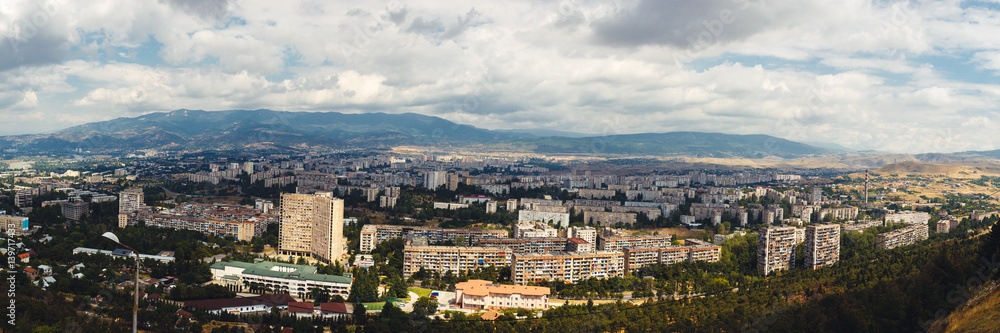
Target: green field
x=421, y=292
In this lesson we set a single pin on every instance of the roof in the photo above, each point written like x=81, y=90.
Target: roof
x=220, y=303
x=333, y=307
x=23, y=255
x=578, y=241
x=484, y=288
x=296, y=272
x=183, y=313
x=300, y=307
x=491, y=315
x=30, y=270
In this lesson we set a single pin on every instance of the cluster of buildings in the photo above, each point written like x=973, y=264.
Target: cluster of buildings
x=296, y=280
x=373, y=234
x=917, y=229
x=776, y=246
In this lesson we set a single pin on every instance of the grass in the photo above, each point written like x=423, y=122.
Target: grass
x=982, y=316
x=376, y=306
x=421, y=292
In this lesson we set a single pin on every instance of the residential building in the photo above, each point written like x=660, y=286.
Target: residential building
x=617, y=242
x=454, y=259
x=526, y=229
x=579, y=245
x=560, y=219
x=435, y=179
x=900, y=237
x=527, y=245
x=907, y=217
x=312, y=224
x=822, y=245
x=606, y=219
x=482, y=294
x=373, y=234
x=566, y=266
x=73, y=210
x=241, y=305
x=130, y=200
x=775, y=249
x=588, y=234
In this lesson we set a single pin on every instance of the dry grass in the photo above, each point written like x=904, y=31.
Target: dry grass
x=982, y=316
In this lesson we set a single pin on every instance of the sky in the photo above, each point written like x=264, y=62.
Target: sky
x=894, y=76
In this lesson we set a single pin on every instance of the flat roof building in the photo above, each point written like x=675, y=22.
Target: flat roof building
x=482, y=294
x=296, y=280
x=566, y=266
x=822, y=245
x=775, y=249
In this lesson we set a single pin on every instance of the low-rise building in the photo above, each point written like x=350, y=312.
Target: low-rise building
x=900, y=237
x=482, y=294
x=617, y=243
x=296, y=280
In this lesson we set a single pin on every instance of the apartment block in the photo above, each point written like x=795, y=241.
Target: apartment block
x=900, y=237
x=525, y=229
x=579, y=245
x=617, y=243
x=527, y=245
x=565, y=266
x=606, y=219
x=775, y=249
x=312, y=224
x=130, y=200
x=560, y=219
x=907, y=217
x=588, y=234
x=73, y=210
x=373, y=234
x=702, y=250
x=822, y=245
x=454, y=259
x=841, y=213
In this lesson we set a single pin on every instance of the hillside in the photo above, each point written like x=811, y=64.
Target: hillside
x=981, y=314
x=694, y=144
x=267, y=129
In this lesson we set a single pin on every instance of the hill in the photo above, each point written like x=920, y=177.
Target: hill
x=695, y=144
x=981, y=314
x=266, y=129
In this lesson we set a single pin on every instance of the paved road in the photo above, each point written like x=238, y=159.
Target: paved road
x=408, y=307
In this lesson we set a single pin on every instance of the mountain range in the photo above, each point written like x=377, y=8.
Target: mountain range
x=266, y=129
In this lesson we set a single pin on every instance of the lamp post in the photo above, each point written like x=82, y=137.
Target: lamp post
x=135, y=310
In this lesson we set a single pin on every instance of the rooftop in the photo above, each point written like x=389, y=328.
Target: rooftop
x=484, y=288
x=282, y=270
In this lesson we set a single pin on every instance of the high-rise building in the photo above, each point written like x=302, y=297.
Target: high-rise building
x=775, y=249
x=130, y=200
x=73, y=210
x=434, y=179
x=822, y=245
x=312, y=224
x=816, y=195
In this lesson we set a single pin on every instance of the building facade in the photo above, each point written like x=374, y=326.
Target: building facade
x=454, y=259
x=822, y=245
x=312, y=225
x=566, y=266
x=482, y=294
x=775, y=249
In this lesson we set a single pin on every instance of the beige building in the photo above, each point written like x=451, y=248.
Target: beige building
x=606, y=219
x=454, y=259
x=130, y=200
x=566, y=266
x=900, y=237
x=313, y=225
x=822, y=245
x=617, y=243
x=588, y=234
x=482, y=294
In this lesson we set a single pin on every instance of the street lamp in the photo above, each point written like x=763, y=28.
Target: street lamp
x=135, y=311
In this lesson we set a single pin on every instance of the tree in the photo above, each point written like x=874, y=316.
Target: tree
x=425, y=306
x=360, y=314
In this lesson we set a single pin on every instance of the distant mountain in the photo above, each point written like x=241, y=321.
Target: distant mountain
x=542, y=132
x=267, y=129
x=696, y=144
x=196, y=129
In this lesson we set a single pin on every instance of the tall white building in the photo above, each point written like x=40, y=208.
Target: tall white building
x=130, y=200
x=312, y=224
x=435, y=179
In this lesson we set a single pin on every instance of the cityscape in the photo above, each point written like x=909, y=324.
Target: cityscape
x=574, y=166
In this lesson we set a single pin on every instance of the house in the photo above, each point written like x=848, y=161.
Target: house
x=77, y=275
x=45, y=269
x=333, y=310
x=76, y=267
x=31, y=272
x=301, y=309
x=24, y=257
x=45, y=282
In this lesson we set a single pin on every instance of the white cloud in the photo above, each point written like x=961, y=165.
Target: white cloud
x=837, y=71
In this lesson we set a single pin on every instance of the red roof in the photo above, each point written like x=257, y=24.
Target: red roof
x=183, y=313
x=333, y=307
x=30, y=270
x=23, y=255
x=301, y=307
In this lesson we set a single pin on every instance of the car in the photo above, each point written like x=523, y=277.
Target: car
x=434, y=294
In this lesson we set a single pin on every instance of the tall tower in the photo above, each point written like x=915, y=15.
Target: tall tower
x=312, y=224
x=866, y=187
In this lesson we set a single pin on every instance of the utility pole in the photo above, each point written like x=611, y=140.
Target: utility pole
x=866, y=187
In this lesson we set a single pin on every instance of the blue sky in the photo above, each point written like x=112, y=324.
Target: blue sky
x=898, y=76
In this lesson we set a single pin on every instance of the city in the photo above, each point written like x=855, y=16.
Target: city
x=303, y=166
x=326, y=238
